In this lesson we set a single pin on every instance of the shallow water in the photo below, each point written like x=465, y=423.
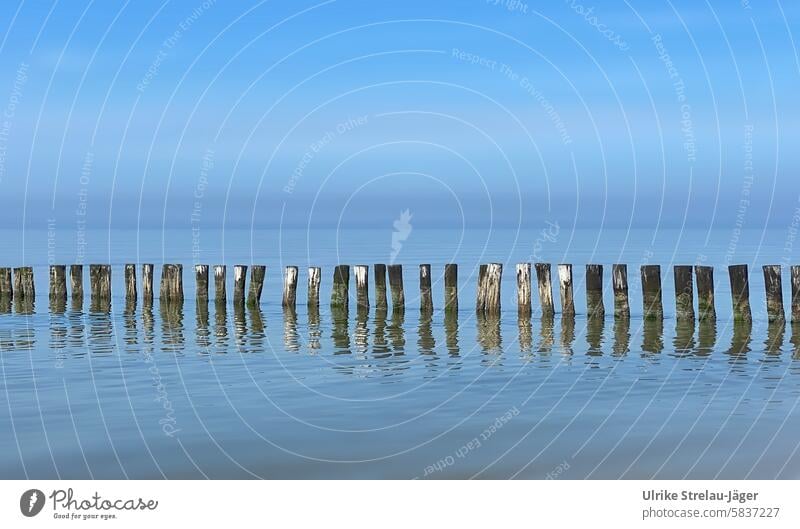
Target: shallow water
x=223, y=391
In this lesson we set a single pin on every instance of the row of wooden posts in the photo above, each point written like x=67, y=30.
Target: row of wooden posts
x=488, y=294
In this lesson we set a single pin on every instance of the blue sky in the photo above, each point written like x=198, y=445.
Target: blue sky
x=345, y=112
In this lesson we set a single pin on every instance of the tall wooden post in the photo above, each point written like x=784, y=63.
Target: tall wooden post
x=619, y=277
x=257, y=275
x=594, y=291
x=524, y=289
x=774, y=289
x=565, y=284
x=706, y=309
x=653, y=308
x=130, y=283
x=381, y=302
x=314, y=280
x=740, y=292
x=289, y=299
x=100, y=282
x=451, y=288
x=201, y=282
x=340, y=293
x=795, y=294
x=490, y=287
x=76, y=282
x=684, y=292
x=220, y=287
x=425, y=294
x=58, y=282
x=361, y=273
x=239, y=279
x=396, y=286
x=147, y=284
x=545, y=289
x=171, y=283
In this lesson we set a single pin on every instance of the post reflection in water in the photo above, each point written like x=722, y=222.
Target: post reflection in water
x=257, y=328
x=451, y=332
x=203, y=330
x=314, y=329
x=396, y=330
x=361, y=332
x=58, y=328
x=683, y=343
x=339, y=330
x=567, y=334
x=595, y=326
x=291, y=338
x=547, y=333
x=101, y=330
x=652, y=335
x=622, y=336
x=171, y=313
x=221, y=326
x=239, y=327
x=525, y=328
x=795, y=340
x=489, y=335
x=380, y=345
x=129, y=319
x=426, y=343
x=776, y=331
x=706, y=337
x=740, y=340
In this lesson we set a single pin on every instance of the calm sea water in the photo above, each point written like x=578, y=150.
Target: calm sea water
x=225, y=392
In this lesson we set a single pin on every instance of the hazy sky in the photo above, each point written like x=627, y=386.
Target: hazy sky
x=348, y=112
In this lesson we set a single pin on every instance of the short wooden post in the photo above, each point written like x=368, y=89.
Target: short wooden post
x=619, y=278
x=704, y=276
x=425, y=295
x=24, y=289
x=565, y=283
x=201, y=282
x=314, y=280
x=490, y=286
x=774, y=289
x=58, y=282
x=6, y=286
x=380, y=286
x=594, y=291
x=171, y=289
x=290, y=275
x=396, y=286
x=340, y=293
x=220, y=287
x=257, y=275
x=100, y=282
x=480, y=297
x=130, y=283
x=76, y=283
x=361, y=273
x=239, y=279
x=795, y=294
x=545, y=289
x=651, y=292
x=524, y=289
x=451, y=287
x=740, y=292
x=684, y=292
x=147, y=283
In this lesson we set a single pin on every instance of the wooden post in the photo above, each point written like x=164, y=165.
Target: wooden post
x=425, y=295
x=380, y=286
x=594, y=291
x=340, y=293
x=201, y=282
x=774, y=288
x=480, y=297
x=567, y=297
x=239, y=278
x=130, y=283
x=76, y=283
x=6, y=286
x=451, y=287
x=545, y=289
x=622, y=306
x=795, y=294
x=684, y=292
x=100, y=282
x=740, y=292
x=147, y=284
x=58, y=282
x=396, y=286
x=257, y=275
x=171, y=283
x=361, y=273
x=524, y=289
x=651, y=292
x=704, y=276
x=24, y=288
x=289, y=300
x=314, y=280
x=220, y=288
x=490, y=286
